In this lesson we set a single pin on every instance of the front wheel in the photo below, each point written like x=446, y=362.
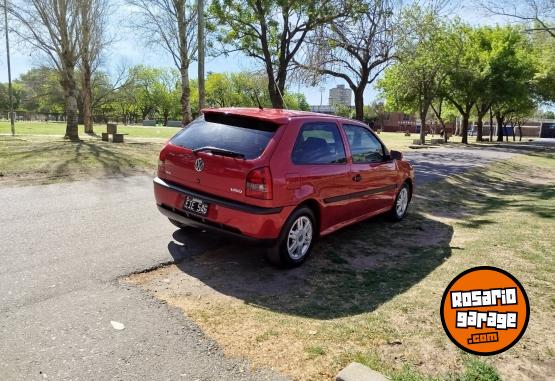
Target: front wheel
x=296, y=239
x=401, y=205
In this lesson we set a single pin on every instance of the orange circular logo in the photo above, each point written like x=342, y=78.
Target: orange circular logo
x=485, y=310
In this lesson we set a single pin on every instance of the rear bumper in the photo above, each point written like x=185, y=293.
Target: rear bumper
x=250, y=222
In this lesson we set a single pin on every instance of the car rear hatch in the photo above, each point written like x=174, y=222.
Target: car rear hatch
x=216, y=153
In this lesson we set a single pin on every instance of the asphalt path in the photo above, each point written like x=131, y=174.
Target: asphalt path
x=63, y=248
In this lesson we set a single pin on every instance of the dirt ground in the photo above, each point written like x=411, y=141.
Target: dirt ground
x=371, y=292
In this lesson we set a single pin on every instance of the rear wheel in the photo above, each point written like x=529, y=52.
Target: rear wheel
x=296, y=239
x=401, y=205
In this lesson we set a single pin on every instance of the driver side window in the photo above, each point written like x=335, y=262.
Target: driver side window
x=365, y=148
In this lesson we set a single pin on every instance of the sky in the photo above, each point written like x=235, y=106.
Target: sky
x=127, y=51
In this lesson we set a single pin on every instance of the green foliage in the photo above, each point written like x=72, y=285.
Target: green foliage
x=344, y=111
x=512, y=69
x=272, y=32
x=41, y=91
x=544, y=79
x=242, y=90
x=412, y=83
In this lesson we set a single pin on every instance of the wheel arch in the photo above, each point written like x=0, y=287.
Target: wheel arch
x=314, y=206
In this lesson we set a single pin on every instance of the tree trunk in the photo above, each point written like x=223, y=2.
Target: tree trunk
x=201, y=89
x=166, y=118
x=275, y=96
x=490, y=125
x=70, y=94
x=87, y=98
x=464, y=129
x=184, y=63
x=185, y=96
x=86, y=69
x=513, y=128
x=479, y=127
x=499, y=119
x=423, y=127
x=359, y=104
x=519, y=132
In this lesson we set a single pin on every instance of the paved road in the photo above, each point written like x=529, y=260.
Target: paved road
x=62, y=249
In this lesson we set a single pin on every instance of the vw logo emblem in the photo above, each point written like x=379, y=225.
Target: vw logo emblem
x=199, y=165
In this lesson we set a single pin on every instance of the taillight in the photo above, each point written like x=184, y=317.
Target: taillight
x=259, y=184
x=162, y=162
x=161, y=167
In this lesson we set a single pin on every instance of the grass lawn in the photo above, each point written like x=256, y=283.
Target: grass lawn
x=45, y=159
x=59, y=128
x=371, y=292
x=394, y=140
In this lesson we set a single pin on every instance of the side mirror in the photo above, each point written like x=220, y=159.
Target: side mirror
x=396, y=155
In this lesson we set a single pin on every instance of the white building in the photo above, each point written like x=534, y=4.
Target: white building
x=340, y=95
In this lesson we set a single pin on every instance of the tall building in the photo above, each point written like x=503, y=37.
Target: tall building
x=340, y=96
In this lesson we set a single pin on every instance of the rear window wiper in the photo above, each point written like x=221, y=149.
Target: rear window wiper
x=220, y=151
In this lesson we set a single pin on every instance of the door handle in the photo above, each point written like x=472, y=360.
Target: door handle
x=357, y=178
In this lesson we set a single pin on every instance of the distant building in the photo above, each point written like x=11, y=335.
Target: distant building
x=340, y=96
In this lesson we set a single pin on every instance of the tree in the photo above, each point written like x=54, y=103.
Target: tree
x=521, y=109
x=42, y=92
x=356, y=49
x=544, y=81
x=512, y=73
x=52, y=26
x=166, y=94
x=92, y=41
x=272, y=32
x=170, y=25
x=144, y=82
x=464, y=80
x=418, y=77
x=537, y=15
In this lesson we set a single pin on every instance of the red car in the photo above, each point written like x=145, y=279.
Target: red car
x=285, y=177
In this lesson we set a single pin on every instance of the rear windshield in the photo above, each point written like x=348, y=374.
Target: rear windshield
x=246, y=136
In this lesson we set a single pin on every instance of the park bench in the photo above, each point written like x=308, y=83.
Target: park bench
x=174, y=123
x=112, y=129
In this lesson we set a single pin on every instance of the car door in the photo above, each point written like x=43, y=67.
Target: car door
x=320, y=157
x=373, y=174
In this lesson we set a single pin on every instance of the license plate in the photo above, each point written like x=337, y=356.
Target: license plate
x=195, y=205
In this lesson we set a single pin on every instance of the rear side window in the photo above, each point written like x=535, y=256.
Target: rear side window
x=319, y=143
x=364, y=146
x=246, y=136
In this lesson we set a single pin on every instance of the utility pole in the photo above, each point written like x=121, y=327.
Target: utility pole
x=10, y=89
x=200, y=35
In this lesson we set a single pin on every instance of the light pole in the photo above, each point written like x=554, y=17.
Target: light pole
x=10, y=90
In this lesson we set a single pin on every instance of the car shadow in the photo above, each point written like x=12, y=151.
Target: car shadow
x=352, y=271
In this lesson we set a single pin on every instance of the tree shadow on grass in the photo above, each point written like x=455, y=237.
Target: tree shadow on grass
x=72, y=160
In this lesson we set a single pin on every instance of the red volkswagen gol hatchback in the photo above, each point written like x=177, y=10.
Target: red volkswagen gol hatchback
x=281, y=176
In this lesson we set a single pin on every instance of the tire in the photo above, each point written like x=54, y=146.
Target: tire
x=401, y=205
x=300, y=228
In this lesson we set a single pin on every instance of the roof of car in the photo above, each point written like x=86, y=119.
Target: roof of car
x=268, y=114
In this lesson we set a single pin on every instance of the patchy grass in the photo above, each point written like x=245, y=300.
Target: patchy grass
x=371, y=292
x=59, y=129
x=40, y=160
